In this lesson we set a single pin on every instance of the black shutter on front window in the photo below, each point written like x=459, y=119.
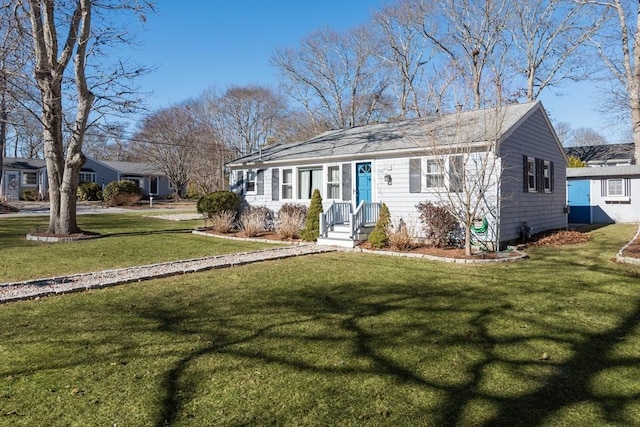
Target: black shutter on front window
x=260, y=182
x=525, y=172
x=275, y=184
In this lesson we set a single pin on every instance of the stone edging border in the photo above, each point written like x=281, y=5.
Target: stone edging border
x=520, y=255
x=628, y=260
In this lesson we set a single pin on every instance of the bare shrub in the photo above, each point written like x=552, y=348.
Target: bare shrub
x=290, y=222
x=439, y=225
x=223, y=221
x=256, y=220
x=400, y=237
x=124, y=199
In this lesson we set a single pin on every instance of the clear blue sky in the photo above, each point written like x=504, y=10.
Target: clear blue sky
x=199, y=44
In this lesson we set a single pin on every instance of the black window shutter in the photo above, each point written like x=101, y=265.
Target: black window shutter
x=627, y=187
x=275, y=184
x=239, y=186
x=603, y=188
x=525, y=170
x=260, y=182
x=415, y=175
x=540, y=175
x=346, y=182
x=551, y=175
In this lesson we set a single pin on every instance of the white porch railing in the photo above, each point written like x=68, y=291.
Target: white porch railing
x=338, y=213
x=342, y=213
x=366, y=213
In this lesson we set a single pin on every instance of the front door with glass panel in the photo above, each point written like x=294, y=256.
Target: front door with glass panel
x=12, y=185
x=363, y=182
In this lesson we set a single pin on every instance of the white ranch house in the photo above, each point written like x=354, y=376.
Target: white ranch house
x=407, y=162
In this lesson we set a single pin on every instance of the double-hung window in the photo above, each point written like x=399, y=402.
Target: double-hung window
x=531, y=175
x=546, y=176
x=251, y=182
x=29, y=178
x=616, y=190
x=434, y=174
x=333, y=182
x=87, y=177
x=287, y=183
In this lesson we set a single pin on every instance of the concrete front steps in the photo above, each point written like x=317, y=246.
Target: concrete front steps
x=339, y=236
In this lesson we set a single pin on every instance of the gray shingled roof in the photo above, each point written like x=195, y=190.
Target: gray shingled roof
x=476, y=126
x=606, y=171
x=133, y=168
x=23, y=164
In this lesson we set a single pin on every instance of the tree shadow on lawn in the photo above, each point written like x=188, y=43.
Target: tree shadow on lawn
x=468, y=345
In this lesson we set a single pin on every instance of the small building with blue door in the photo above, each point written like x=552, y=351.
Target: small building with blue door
x=604, y=195
x=407, y=162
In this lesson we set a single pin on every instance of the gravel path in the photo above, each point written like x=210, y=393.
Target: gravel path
x=79, y=282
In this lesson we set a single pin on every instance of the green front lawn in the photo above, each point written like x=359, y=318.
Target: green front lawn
x=127, y=240
x=338, y=339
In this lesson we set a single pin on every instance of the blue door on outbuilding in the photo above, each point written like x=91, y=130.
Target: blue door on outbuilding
x=579, y=201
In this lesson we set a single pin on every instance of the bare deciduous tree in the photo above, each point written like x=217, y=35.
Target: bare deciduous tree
x=335, y=77
x=405, y=52
x=78, y=32
x=619, y=49
x=472, y=36
x=245, y=117
x=183, y=147
x=552, y=47
x=463, y=169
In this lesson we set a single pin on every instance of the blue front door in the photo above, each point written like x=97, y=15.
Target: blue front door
x=363, y=182
x=579, y=202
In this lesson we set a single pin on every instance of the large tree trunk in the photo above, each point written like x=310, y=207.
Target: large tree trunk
x=62, y=171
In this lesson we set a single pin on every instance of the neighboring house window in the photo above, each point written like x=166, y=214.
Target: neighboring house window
x=139, y=181
x=434, y=174
x=287, y=183
x=251, y=182
x=309, y=179
x=333, y=182
x=531, y=174
x=29, y=178
x=616, y=187
x=87, y=177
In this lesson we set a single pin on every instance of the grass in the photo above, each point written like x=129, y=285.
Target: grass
x=127, y=240
x=338, y=339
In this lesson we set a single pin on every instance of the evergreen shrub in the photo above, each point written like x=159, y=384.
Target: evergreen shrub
x=311, y=230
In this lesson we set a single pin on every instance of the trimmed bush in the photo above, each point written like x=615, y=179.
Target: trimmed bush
x=439, y=225
x=378, y=237
x=30, y=195
x=121, y=193
x=89, y=191
x=311, y=230
x=291, y=208
x=217, y=202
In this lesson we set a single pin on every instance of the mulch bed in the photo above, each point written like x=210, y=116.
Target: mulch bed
x=633, y=250
x=561, y=238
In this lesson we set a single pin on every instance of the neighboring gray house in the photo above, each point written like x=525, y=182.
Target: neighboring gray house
x=608, y=189
x=22, y=174
x=404, y=163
